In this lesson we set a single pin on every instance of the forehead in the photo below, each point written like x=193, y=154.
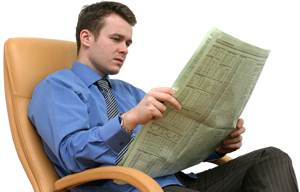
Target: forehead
x=114, y=24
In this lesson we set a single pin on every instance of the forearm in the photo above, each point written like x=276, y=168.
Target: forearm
x=223, y=160
x=93, y=147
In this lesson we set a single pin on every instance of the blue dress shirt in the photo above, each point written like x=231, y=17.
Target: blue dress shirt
x=69, y=113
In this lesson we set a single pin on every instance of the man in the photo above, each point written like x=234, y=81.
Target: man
x=86, y=119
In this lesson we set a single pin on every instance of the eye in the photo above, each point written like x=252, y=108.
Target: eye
x=116, y=39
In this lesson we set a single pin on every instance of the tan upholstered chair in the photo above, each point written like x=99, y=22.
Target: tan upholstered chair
x=26, y=62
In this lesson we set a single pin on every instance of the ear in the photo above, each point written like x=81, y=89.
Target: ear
x=86, y=37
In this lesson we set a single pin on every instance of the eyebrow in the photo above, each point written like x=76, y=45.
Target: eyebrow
x=122, y=37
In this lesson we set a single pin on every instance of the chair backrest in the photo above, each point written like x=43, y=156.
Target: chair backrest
x=26, y=62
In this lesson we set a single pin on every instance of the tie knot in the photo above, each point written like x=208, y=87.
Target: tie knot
x=103, y=84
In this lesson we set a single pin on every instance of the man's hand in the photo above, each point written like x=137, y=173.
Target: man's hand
x=235, y=142
x=150, y=108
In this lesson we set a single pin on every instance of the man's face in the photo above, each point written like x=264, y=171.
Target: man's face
x=108, y=53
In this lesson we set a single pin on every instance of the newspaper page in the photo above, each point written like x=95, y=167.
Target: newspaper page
x=213, y=90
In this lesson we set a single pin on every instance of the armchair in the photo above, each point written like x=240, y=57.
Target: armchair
x=26, y=62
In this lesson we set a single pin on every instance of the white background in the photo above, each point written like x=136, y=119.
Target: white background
x=165, y=37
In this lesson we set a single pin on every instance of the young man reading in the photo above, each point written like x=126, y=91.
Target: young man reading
x=87, y=120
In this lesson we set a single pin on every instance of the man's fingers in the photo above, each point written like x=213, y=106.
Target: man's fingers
x=238, y=132
x=160, y=106
x=158, y=109
x=164, y=94
x=233, y=140
x=241, y=130
x=167, y=90
x=234, y=146
x=240, y=123
x=151, y=107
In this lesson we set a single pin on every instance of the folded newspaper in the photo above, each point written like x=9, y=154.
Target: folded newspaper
x=213, y=90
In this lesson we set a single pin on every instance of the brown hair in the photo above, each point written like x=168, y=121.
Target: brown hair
x=92, y=17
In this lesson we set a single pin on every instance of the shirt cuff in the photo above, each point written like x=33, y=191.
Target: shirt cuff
x=113, y=134
x=214, y=156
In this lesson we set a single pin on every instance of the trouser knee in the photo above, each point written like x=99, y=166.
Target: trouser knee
x=276, y=156
x=273, y=151
x=265, y=155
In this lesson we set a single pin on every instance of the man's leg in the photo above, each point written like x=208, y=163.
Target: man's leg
x=177, y=188
x=267, y=169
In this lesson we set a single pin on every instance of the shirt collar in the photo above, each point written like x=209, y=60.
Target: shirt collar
x=87, y=75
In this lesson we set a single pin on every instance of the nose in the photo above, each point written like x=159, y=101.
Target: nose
x=123, y=48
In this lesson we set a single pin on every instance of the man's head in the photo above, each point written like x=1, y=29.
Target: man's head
x=103, y=33
x=92, y=17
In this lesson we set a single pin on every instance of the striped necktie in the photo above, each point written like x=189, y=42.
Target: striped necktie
x=112, y=111
x=111, y=104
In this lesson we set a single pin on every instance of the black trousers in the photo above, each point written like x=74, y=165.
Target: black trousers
x=267, y=169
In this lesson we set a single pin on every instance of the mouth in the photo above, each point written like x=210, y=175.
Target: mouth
x=119, y=60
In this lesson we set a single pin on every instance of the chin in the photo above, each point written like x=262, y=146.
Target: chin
x=113, y=72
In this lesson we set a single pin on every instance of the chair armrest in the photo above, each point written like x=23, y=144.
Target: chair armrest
x=131, y=176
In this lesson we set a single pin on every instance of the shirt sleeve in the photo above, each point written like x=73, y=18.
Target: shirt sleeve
x=60, y=114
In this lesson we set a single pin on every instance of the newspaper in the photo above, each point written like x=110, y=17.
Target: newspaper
x=213, y=90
